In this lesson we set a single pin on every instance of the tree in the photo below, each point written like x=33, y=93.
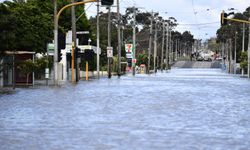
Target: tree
x=29, y=25
x=27, y=67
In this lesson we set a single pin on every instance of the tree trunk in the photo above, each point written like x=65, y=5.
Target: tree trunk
x=27, y=79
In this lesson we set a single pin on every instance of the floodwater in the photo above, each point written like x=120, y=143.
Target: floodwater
x=190, y=109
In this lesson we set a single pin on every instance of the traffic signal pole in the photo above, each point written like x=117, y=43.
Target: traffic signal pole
x=223, y=18
x=56, y=18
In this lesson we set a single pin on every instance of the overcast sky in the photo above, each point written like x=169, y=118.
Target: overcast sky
x=186, y=12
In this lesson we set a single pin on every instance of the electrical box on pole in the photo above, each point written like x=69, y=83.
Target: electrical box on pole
x=107, y=2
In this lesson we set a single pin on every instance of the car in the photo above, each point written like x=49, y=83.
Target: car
x=199, y=58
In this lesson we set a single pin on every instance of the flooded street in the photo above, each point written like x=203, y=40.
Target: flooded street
x=184, y=109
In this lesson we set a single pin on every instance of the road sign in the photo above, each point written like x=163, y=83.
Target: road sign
x=69, y=37
x=50, y=48
x=82, y=32
x=46, y=73
x=129, y=48
x=129, y=55
x=134, y=61
x=109, y=52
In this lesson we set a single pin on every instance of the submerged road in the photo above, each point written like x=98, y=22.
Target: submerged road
x=183, y=109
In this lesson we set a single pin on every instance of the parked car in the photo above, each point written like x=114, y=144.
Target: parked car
x=199, y=58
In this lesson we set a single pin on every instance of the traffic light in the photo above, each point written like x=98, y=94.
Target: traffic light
x=59, y=55
x=223, y=18
x=107, y=2
x=77, y=52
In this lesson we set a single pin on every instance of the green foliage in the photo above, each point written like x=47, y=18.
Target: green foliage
x=27, y=67
x=142, y=59
x=41, y=64
x=29, y=25
x=227, y=32
x=243, y=60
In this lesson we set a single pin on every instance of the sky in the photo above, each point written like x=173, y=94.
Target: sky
x=200, y=17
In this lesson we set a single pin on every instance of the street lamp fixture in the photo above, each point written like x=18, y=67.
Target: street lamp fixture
x=89, y=41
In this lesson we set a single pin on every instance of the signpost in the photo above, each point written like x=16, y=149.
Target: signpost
x=109, y=52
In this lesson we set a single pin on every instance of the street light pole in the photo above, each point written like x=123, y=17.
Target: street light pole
x=56, y=18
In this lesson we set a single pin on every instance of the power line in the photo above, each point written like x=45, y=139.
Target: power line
x=197, y=24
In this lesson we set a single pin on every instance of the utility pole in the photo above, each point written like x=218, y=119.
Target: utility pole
x=163, y=40
x=230, y=55
x=134, y=43
x=150, y=41
x=249, y=51
x=155, y=47
x=98, y=41
x=167, y=48
x=73, y=20
x=55, y=43
x=119, y=38
x=235, y=52
x=176, y=48
x=170, y=47
x=243, y=45
x=109, y=41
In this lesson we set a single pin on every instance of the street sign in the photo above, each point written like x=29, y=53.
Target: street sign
x=82, y=32
x=50, y=48
x=109, y=52
x=129, y=48
x=69, y=37
x=129, y=55
x=134, y=61
x=46, y=73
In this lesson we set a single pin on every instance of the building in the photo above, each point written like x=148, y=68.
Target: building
x=10, y=74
